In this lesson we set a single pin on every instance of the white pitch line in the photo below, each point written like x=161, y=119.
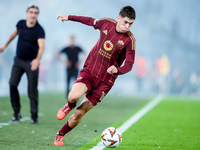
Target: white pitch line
x=133, y=119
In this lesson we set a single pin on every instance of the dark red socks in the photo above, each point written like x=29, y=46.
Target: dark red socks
x=65, y=129
x=71, y=105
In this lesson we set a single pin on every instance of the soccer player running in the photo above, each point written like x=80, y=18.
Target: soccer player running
x=102, y=66
x=30, y=47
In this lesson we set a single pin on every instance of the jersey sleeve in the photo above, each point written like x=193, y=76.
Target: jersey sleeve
x=130, y=58
x=96, y=23
x=85, y=20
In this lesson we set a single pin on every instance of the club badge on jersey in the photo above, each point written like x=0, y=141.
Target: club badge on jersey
x=108, y=45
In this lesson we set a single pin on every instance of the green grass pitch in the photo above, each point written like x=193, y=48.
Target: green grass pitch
x=24, y=135
x=174, y=124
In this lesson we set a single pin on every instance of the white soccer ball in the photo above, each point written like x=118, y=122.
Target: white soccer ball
x=111, y=137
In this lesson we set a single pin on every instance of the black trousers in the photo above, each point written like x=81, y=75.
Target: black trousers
x=71, y=72
x=19, y=68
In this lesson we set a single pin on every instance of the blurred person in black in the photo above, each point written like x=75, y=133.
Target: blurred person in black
x=72, y=62
x=30, y=47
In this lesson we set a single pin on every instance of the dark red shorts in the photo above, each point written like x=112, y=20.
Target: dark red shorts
x=97, y=89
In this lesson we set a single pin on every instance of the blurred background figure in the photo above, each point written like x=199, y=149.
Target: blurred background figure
x=72, y=61
x=30, y=47
x=194, y=83
x=139, y=71
x=177, y=82
x=163, y=67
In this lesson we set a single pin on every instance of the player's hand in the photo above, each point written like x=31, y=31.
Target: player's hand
x=63, y=17
x=112, y=69
x=2, y=48
x=34, y=64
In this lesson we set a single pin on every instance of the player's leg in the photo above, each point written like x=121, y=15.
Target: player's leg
x=33, y=91
x=15, y=78
x=78, y=90
x=74, y=120
x=81, y=110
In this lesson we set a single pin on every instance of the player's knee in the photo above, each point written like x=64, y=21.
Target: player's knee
x=73, y=96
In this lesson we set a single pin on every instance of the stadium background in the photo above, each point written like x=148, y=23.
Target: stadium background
x=169, y=28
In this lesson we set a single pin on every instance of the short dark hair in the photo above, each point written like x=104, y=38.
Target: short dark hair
x=127, y=11
x=32, y=6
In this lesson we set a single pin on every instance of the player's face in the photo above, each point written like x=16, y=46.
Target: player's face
x=32, y=15
x=124, y=24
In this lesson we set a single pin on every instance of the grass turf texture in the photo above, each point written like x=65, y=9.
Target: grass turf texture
x=24, y=135
x=174, y=124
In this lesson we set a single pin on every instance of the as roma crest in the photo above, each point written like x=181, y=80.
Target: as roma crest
x=108, y=45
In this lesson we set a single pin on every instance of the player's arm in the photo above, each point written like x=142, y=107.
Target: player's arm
x=12, y=36
x=35, y=62
x=130, y=58
x=126, y=68
x=120, y=70
x=85, y=20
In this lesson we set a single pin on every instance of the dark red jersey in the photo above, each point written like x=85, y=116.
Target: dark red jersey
x=112, y=48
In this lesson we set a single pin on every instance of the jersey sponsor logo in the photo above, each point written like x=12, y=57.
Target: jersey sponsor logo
x=105, y=31
x=104, y=53
x=120, y=43
x=108, y=45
